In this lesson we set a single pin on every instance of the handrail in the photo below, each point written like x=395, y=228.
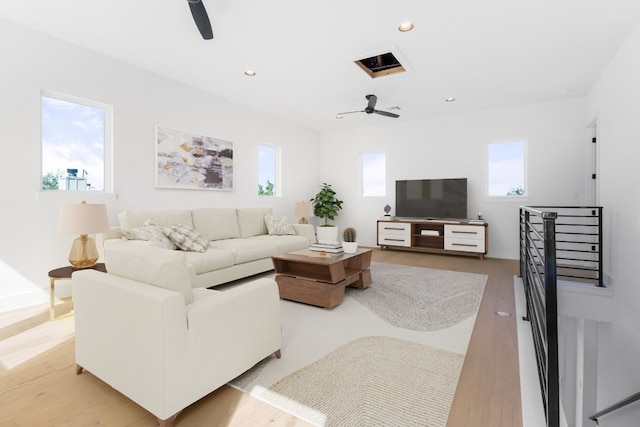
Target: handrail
x=624, y=402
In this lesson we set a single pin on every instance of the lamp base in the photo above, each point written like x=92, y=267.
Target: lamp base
x=84, y=253
x=303, y=220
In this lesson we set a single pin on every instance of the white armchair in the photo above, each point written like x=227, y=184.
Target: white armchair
x=163, y=353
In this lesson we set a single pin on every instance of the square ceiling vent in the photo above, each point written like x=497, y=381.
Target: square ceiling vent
x=382, y=64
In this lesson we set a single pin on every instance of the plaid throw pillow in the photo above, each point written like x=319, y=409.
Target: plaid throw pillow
x=186, y=238
x=278, y=225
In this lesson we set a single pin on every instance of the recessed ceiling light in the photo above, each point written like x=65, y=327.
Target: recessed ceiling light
x=250, y=73
x=450, y=99
x=338, y=116
x=405, y=26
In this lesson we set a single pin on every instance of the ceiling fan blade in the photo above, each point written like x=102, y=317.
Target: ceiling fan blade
x=350, y=112
x=372, y=102
x=386, y=113
x=201, y=18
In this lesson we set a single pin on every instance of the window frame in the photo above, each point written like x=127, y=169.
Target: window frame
x=525, y=180
x=277, y=172
x=108, y=140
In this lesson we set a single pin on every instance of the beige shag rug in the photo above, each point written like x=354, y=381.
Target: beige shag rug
x=373, y=381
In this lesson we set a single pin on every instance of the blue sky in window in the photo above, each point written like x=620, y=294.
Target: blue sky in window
x=266, y=164
x=73, y=138
x=506, y=167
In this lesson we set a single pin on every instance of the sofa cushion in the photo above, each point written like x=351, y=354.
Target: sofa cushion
x=284, y=243
x=149, y=231
x=278, y=225
x=210, y=260
x=251, y=221
x=155, y=266
x=246, y=250
x=132, y=219
x=186, y=238
x=216, y=223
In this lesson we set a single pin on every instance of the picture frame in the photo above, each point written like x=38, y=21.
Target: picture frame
x=186, y=160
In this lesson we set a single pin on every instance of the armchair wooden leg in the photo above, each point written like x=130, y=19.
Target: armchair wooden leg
x=278, y=354
x=169, y=421
x=78, y=369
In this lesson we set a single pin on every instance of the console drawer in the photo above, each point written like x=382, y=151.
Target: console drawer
x=394, y=228
x=464, y=232
x=464, y=245
x=394, y=234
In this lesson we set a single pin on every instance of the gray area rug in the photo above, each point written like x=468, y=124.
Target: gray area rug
x=421, y=299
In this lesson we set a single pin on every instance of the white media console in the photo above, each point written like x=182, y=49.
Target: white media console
x=446, y=236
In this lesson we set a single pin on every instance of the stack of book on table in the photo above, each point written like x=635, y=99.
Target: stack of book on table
x=330, y=248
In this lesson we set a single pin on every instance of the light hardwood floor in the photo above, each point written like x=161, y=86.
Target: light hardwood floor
x=45, y=391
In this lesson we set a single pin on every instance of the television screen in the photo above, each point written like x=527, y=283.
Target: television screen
x=432, y=198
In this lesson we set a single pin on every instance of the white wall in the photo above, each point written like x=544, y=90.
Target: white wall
x=615, y=103
x=141, y=100
x=455, y=147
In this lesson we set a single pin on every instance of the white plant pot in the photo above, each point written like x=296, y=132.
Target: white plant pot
x=350, y=247
x=327, y=234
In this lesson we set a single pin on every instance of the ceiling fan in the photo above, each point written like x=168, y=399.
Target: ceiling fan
x=371, y=108
x=201, y=18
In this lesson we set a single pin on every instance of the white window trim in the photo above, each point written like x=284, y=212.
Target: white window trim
x=516, y=199
x=108, y=139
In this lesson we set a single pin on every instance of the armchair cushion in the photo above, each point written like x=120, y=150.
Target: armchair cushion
x=162, y=267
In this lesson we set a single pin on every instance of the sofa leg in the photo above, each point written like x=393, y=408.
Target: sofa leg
x=278, y=354
x=78, y=369
x=169, y=421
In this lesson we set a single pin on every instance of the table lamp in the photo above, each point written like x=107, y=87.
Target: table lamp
x=83, y=219
x=303, y=210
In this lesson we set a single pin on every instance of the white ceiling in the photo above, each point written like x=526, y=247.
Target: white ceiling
x=485, y=53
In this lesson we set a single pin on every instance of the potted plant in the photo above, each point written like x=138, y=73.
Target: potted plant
x=326, y=206
x=349, y=244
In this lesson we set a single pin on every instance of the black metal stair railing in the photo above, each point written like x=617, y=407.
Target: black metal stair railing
x=538, y=272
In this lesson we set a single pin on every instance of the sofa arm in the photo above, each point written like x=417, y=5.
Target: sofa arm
x=306, y=230
x=246, y=317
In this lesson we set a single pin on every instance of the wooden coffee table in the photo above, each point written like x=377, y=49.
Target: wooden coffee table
x=321, y=281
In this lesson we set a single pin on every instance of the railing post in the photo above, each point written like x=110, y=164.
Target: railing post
x=551, y=308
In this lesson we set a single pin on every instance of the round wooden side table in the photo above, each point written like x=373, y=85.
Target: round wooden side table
x=64, y=273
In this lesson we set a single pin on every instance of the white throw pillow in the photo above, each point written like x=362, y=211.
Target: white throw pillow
x=278, y=225
x=186, y=238
x=149, y=231
x=155, y=266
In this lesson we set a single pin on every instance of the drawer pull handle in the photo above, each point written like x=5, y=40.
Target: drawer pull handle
x=464, y=244
x=393, y=240
x=394, y=228
x=463, y=232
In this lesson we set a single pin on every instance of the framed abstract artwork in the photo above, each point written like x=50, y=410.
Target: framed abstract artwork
x=186, y=160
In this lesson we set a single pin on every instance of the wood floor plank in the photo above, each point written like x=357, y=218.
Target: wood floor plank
x=46, y=391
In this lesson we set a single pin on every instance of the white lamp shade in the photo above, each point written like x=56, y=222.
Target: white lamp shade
x=83, y=218
x=303, y=210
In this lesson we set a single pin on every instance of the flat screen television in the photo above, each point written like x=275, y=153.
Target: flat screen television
x=432, y=198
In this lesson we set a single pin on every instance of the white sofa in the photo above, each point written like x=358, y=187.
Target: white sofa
x=144, y=330
x=239, y=241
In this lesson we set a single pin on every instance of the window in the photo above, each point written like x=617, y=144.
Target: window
x=268, y=170
x=374, y=175
x=506, y=169
x=75, y=143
